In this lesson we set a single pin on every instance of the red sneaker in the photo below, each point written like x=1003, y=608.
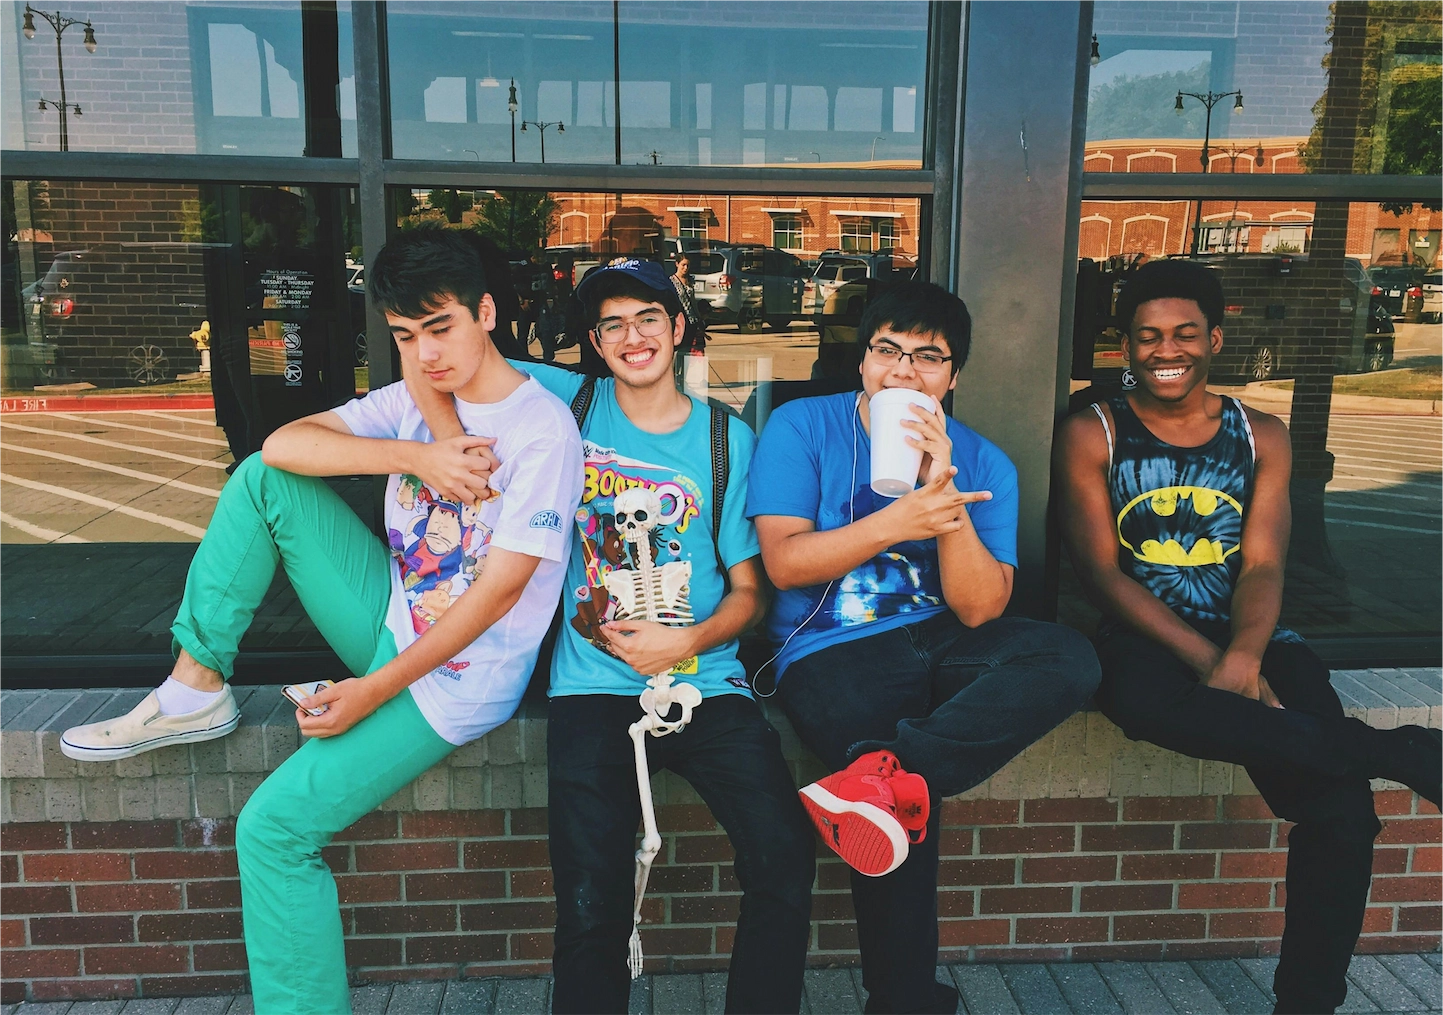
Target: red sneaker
x=856, y=812
x=914, y=805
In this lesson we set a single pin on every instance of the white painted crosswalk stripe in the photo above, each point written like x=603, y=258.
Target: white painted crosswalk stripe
x=119, y=470
x=39, y=532
x=143, y=452
x=185, y=528
x=176, y=434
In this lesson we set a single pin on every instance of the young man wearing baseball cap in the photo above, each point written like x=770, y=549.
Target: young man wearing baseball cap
x=640, y=433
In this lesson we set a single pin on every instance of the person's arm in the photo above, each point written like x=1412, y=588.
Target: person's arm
x=975, y=585
x=1258, y=594
x=323, y=445
x=438, y=410
x=1080, y=470
x=652, y=648
x=797, y=555
x=495, y=591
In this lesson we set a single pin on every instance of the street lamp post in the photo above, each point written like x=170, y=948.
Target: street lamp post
x=511, y=106
x=59, y=24
x=1208, y=100
x=873, y=156
x=541, y=125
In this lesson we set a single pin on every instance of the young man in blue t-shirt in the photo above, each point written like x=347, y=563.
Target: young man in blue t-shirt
x=639, y=431
x=895, y=664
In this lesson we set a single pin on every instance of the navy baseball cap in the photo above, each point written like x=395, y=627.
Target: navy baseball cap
x=648, y=273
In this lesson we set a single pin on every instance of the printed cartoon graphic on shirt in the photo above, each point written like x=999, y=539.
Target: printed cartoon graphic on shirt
x=633, y=523
x=899, y=580
x=440, y=551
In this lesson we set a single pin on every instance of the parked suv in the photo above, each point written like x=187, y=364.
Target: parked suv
x=1432, y=286
x=1391, y=285
x=1266, y=331
x=838, y=286
x=754, y=287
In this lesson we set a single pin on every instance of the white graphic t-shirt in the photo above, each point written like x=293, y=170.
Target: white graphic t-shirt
x=439, y=547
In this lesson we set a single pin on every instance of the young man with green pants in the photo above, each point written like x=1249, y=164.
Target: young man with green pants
x=438, y=666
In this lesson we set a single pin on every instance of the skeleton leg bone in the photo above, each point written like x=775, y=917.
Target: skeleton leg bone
x=651, y=839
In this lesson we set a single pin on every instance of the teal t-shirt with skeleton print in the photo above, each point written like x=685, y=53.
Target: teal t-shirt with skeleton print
x=659, y=535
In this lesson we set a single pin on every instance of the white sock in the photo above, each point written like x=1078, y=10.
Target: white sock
x=176, y=698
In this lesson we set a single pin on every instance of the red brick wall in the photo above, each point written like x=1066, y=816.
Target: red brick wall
x=123, y=909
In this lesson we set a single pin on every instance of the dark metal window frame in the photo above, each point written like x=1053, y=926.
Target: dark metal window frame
x=1015, y=149
x=374, y=171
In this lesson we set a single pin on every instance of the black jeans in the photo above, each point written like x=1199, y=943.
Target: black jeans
x=1308, y=761
x=954, y=704
x=733, y=759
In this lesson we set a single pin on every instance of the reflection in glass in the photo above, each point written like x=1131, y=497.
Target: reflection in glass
x=717, y=84
x=233, y=309
x=779, y=295
x=1329, y=88
x=1325, y=326
x=184, y=77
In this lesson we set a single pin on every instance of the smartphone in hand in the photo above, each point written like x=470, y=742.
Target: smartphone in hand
x=299, y=692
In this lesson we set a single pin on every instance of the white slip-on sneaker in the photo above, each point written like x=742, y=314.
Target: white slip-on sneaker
x=145, y=727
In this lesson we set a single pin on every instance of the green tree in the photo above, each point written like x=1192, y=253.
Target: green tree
x=1415, y=128
x=449, y=203
x=1141, y=106
x=519, y=219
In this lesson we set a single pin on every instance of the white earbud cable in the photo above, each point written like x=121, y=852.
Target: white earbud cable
x=852, y=509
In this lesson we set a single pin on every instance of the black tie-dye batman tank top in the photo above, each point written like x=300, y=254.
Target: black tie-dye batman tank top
x=1178, y=512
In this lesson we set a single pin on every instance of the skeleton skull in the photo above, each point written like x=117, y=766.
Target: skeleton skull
x=638, y=511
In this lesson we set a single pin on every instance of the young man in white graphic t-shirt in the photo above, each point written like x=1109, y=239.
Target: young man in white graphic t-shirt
x=443, y=630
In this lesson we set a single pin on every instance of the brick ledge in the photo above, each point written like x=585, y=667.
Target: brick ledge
x=1085, y=757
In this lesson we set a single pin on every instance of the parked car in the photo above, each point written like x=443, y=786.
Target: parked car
x=51, y=295
x=1267, y=334
x=1391, y=285
x=1432, y=287
x=838, y=283
x=753, y=287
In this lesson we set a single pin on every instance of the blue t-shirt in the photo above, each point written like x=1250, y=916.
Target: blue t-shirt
x=678, y=466
x=814, y=461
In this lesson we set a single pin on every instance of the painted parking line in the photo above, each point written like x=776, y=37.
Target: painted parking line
x=108, y=505
x=176, y=434
x=119, y=470
x=143, y=452
x=179, y=419
x=1350, y=524
x=1369, y=509
x=1435, y=498
x=39, y=532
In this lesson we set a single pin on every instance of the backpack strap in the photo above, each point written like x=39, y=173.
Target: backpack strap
x=720, y=475
x=581, y=403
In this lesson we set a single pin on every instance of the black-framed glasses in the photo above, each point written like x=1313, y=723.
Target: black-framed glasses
x=923, y=360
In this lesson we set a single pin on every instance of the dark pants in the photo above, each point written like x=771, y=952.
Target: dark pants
x=954, y=704
x=733, y=759
x=1308, y=761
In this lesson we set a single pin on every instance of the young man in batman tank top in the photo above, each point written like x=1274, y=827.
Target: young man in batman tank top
x=1176, y=513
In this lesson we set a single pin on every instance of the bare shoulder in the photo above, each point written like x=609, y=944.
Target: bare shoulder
x=1270, y=433
x=1082, y=436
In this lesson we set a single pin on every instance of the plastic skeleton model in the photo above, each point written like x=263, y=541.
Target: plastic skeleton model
x=655, y=592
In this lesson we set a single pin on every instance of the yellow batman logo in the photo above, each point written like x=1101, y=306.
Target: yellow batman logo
x=1163, y=503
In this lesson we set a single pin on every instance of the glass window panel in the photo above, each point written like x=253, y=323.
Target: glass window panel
x=1326, y=326
x=182, y=77
x=781, y=304
x=731, y=83
x=155, y=333
x=1354, y=89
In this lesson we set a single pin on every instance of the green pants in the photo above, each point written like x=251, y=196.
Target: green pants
x=341, y=574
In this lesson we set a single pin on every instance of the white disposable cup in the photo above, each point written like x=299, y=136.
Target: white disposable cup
x=895, y=460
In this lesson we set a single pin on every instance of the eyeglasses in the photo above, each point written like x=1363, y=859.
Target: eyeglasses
x=926, y=362
x=652, y=324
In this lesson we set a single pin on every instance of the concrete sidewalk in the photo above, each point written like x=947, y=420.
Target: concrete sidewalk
x=1377, y=984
